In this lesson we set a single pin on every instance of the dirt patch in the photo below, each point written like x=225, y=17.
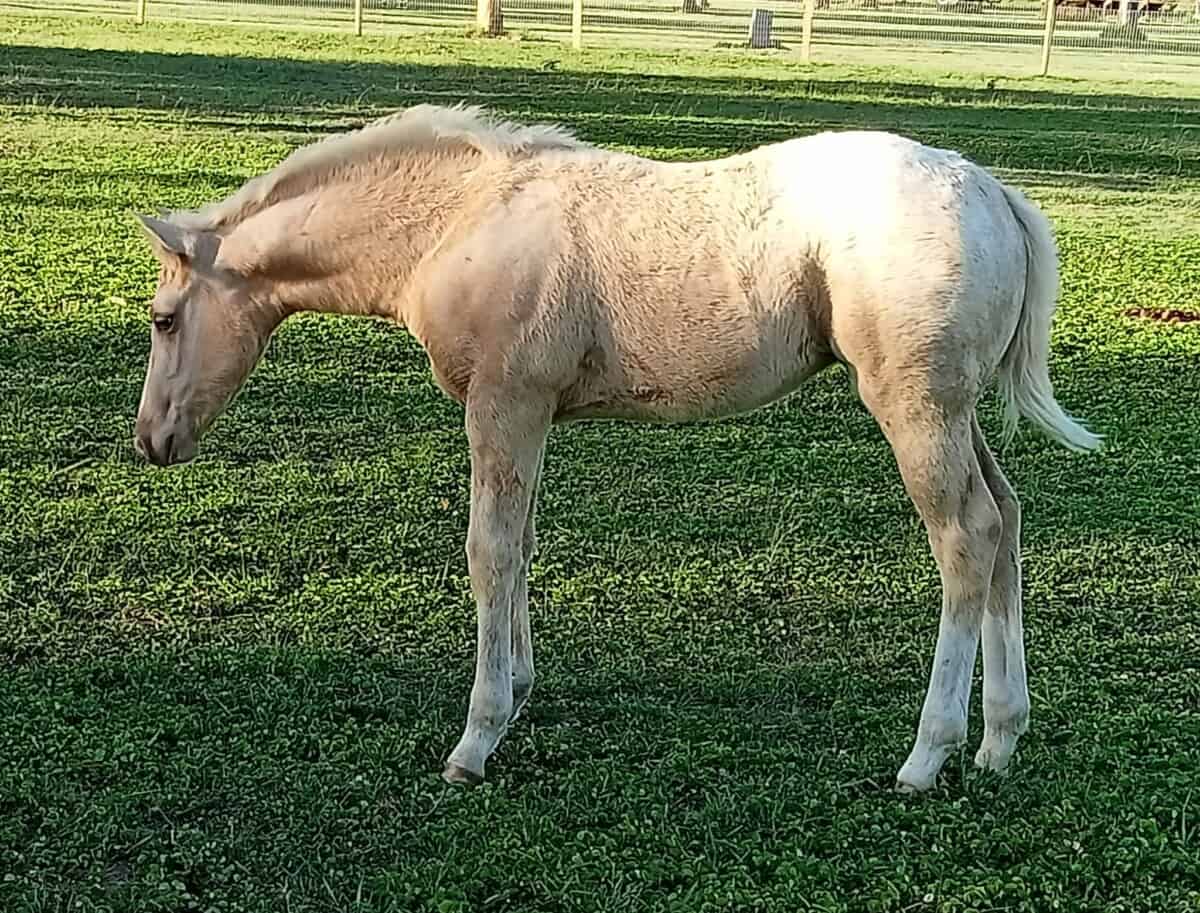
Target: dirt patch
x=1164, y=315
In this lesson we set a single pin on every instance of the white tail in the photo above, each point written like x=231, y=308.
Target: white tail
x=1024, y=376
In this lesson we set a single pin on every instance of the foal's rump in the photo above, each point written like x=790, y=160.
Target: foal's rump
x=920, y=249
x=936, y=270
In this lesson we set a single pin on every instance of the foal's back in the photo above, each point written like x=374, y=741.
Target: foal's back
x=672, y=292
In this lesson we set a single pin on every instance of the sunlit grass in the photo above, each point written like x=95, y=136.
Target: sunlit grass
x=229, y=687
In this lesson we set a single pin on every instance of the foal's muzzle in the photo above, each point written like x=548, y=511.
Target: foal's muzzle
x=164, y=449
x=159, y=456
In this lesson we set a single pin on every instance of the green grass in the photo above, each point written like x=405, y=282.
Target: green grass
x=230, y=687
x=1004, y=38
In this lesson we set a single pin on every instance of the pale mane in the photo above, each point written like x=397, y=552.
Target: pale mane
x=422, y=126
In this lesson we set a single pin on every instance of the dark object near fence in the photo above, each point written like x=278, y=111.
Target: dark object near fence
x=967, y=6
x=1128, y=35
x=1114, y=6
x=760, y=28
x=695, y=6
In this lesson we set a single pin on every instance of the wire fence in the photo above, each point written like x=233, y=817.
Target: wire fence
x=1028, y=35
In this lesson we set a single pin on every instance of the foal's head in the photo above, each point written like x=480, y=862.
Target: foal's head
x=208, y=332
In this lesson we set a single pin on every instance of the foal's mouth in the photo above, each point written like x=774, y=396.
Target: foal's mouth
x=173, y=451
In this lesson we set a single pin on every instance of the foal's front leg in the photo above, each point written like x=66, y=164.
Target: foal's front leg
x=506, y=439
x=522, y=636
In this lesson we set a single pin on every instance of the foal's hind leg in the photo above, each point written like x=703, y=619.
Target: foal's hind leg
x=1005, y=694
x=933, y=447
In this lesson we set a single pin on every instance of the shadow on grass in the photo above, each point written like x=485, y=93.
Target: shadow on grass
x=707, y=115
x=316, y=771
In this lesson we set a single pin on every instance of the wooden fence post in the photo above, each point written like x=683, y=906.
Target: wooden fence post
x=139, y=12
x=577, y=24
x=1048, y=34
x=810, y=7
x=489, y=17
x=358, y=16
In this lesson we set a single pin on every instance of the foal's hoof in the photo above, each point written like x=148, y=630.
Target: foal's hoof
x=456, y=775
x=995, y=755
x=911, y=789
x=916, y=777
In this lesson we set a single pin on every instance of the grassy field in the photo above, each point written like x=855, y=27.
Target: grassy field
x=230, y=687
x=1004, y=39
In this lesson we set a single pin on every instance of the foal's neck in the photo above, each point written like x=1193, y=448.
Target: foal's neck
x=351, y=247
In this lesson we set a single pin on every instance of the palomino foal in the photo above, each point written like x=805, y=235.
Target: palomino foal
x=549, y=280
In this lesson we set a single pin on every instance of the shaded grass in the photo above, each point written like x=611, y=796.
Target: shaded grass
x=230, y=687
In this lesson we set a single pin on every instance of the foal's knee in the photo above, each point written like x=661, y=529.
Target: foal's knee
x=491, y=553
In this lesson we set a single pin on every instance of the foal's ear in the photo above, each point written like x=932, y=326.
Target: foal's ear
x=170, y=242
x=177, y=245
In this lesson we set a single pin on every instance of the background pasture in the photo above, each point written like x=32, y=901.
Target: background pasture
x=230, y=687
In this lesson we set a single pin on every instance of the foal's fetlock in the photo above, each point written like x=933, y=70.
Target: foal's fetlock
x=522, y=688
x=1000, y=736
x=936, y=741
x=483, y=734
x=465, y=766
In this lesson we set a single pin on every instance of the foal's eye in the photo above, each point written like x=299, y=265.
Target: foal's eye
x=164, y=322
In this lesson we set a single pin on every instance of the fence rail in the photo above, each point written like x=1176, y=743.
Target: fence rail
x=1035, y=32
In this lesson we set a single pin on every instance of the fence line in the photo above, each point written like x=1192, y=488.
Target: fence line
x=1104, y=30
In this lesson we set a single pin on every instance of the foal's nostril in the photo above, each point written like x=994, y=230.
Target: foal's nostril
x=144, y=444
x=168, y=451
x=160, y=456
